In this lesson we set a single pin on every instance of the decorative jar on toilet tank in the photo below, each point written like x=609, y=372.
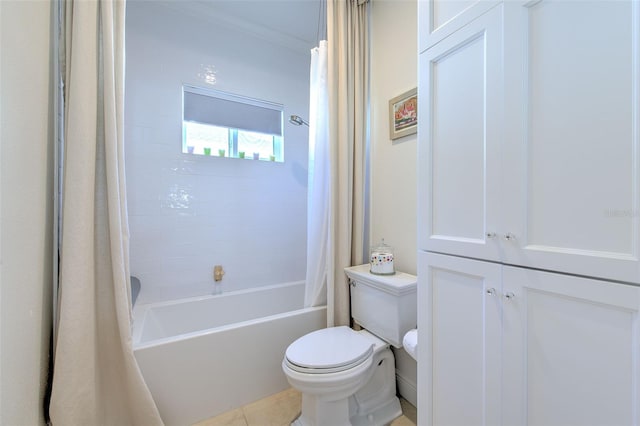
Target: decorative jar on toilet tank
x=381, y=259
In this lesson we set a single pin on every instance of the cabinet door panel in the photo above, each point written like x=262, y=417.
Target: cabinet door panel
x=459, y=152
x=440, y=18
x=571, y=350
x=571, y=175
x=459, y=340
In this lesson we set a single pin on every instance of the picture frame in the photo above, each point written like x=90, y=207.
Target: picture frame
x=403, y=114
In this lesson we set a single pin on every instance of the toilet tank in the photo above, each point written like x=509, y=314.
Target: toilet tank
x=385, y=305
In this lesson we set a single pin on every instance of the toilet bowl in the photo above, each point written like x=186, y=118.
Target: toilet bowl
x=347, y=377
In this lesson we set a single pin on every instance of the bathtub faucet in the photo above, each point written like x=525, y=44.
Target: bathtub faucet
x=218, y=273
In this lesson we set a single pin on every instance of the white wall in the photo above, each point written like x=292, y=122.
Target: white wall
x=394, y=70
x=188, y=213
x=25, y=227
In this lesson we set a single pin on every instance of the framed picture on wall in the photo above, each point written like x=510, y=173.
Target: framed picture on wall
x=403, y=114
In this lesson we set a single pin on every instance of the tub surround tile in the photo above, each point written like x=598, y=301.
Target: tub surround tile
x=282, y=408
x=223, y=209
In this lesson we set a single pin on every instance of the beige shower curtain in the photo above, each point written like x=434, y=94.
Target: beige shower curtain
x=348, y=80
x=96, y=380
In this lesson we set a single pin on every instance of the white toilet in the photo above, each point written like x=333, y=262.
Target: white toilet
x=347, y=377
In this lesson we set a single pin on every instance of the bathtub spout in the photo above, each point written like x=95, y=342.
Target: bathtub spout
x=218, y=272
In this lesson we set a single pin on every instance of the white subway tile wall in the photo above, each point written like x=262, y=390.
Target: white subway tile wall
x=188, y=213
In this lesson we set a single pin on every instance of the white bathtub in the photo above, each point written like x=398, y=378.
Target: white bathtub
x=203, y=356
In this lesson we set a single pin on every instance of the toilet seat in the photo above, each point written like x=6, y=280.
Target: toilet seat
x=329, y=350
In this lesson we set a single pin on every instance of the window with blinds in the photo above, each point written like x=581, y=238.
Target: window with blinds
x=226, y=125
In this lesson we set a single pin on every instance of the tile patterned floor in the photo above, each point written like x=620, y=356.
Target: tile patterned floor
x=280, y=409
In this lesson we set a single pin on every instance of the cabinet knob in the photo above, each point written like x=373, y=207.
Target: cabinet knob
x=490, y=235
x=510, y=296
x=491, y=291
x=509, y=236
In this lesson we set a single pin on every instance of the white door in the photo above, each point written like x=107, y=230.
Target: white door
x=460, y=99
x=459, y=355
x=571, y=181
x=571, y=354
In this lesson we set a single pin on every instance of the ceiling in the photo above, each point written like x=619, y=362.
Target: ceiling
x=293, y=23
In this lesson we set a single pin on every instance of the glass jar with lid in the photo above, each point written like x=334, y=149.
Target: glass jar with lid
x=381, y=259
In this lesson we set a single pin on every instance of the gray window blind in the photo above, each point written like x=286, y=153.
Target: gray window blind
x=225, y=112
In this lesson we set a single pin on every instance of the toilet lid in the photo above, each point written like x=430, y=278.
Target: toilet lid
x=329, y=350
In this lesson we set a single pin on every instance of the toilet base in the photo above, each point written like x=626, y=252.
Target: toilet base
x=317, y=412
x=382, y=415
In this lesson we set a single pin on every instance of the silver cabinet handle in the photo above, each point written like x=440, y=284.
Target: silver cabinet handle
x=509, y=236
x=490, y=235
x=491, y=291
x=510, y=296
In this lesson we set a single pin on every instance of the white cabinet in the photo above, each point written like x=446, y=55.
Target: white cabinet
x=460, y=136
x=459, y=340
x=440, y=18
x=529, y=134
x=529, y=161
x=571, y=354
x=571, y=147
x=516, y=346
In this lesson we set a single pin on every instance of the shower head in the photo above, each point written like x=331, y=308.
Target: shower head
x=296, y=120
